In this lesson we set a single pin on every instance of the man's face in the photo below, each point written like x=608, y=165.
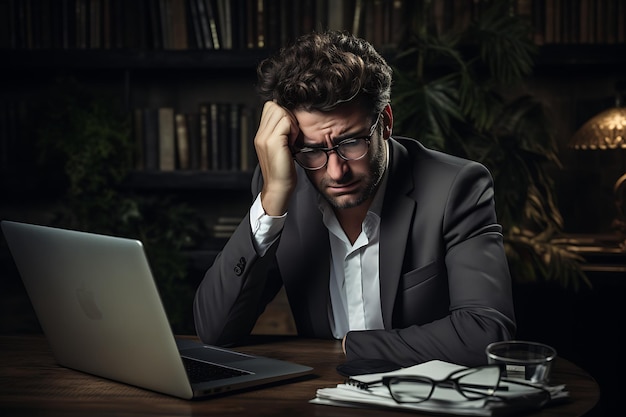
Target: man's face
x=344, y=184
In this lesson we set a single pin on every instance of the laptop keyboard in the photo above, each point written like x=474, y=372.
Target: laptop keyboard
x=199, y=371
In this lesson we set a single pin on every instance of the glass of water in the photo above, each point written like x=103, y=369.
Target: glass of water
x=523, y=360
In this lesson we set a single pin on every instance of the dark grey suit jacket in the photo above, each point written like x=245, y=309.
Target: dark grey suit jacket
x=444, y=280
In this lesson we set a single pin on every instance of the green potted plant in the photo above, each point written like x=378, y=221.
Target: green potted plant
x=455, y=91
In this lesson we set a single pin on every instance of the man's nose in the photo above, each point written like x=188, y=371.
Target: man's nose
x=336, y=165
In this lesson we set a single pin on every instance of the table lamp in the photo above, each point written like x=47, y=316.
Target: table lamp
x=607, y=131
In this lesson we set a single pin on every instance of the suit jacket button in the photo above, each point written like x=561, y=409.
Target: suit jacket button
x=241, y=265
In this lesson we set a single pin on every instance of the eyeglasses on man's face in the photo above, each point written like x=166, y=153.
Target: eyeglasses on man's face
x=351, y=149
x=472, y=383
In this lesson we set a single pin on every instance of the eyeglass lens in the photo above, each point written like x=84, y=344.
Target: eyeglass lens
x=472, y=383
x=350, y=150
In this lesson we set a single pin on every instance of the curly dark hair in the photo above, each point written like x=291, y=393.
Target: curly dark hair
x=322, y=70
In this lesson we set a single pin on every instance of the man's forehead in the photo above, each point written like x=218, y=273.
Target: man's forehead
x=338, y=121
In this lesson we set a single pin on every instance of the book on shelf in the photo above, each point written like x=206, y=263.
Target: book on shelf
x=248, y=154
x=204, y=137
x=183, y=148
x=234, y=136
x=81, y=24
x=224, y=139
x=163, y=9
x=193, y=135
x=337, y=12
x=177, y=19
x=214, y=133
x=307, y=20
x=195, y=34
x=239, y=28
x=155, y=27
x=214, y=23
x=95, y=24
x=224, y=16
x=107, y=27
x=250, y=24
x=150, y=140
x=218, y=137
x=201, y=19
x=167, y=138
x=273, y=24
x=260, y=24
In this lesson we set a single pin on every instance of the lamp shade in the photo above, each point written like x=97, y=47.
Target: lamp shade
x=606, y=130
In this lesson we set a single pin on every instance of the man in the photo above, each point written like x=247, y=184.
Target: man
x=379, y=242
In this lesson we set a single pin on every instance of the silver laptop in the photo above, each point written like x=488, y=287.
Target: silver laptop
x=99, y=307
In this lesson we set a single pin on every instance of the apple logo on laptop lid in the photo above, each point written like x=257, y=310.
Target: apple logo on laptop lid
x=87, y=302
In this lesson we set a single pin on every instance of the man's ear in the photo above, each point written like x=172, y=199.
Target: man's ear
x=387, y=122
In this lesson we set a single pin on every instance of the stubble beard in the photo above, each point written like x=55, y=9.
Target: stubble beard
x=371, y=181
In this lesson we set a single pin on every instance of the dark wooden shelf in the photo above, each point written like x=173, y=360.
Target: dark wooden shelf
x=131, y=59
x=582, y=57
x=189, y=180
x=550, y=55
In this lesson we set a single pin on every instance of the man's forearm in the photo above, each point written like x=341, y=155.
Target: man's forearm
x=460, y=338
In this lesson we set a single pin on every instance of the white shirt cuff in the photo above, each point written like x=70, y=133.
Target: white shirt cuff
x=265, y=229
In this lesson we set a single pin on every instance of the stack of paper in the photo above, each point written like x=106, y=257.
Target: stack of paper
x=515, y=399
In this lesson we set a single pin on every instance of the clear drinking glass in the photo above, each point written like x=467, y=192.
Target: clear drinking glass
x=528, y=361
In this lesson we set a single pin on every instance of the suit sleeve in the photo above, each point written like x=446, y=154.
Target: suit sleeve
x=238, y=286
x=478, y=280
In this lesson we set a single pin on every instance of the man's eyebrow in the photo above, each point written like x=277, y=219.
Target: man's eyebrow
x=339, y=138
x=358, y=134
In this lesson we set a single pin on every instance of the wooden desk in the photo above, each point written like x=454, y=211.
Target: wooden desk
x=31, y=383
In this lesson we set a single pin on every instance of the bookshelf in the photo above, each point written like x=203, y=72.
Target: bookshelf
x=182, y=55
x=186, y=57
x=155, y=54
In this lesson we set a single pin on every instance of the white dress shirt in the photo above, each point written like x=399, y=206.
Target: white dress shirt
x=354, y=269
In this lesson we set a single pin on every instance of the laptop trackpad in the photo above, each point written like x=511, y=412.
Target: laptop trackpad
x=214, y=354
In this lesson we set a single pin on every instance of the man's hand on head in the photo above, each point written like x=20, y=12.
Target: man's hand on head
x=278, y=130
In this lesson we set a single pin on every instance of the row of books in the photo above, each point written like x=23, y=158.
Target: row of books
x=244, y=24
x=552, y=21
x=576, y=21
x=188, y=24
x=219, y=137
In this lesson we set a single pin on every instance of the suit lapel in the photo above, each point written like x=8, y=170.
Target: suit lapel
x=397, y=212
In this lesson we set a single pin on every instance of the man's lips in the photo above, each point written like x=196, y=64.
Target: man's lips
x=343, y=188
